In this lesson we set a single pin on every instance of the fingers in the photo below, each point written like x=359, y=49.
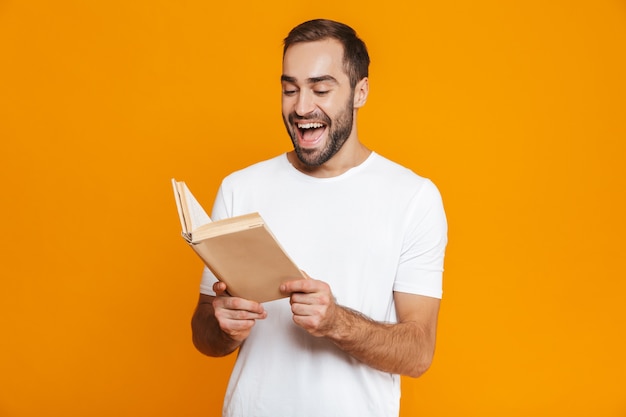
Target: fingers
x=239, y=308
x=302, y=285
x=236, y=316
x=315, y=318
x=225, y=301
x=312, y=304
x=220, y=288
x=308, y=291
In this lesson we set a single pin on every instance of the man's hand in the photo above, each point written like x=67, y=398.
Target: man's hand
x=236, y=316
x=405, y=347
x=312, y=304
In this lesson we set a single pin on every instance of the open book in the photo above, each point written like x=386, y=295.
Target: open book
x=240, y=251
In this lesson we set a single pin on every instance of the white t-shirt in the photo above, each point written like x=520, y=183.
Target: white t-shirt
x=375, y=229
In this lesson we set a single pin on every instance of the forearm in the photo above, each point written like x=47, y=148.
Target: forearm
x=403, y=348
x=207, y=335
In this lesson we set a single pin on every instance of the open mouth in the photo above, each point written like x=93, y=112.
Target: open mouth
x=310, y=133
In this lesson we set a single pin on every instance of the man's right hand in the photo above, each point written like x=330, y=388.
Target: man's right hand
x=236, y=316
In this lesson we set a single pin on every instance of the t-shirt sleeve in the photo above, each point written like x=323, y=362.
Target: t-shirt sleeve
x=420, y=270
x=206, y=284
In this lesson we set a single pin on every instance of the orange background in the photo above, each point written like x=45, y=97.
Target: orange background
x=515, y=109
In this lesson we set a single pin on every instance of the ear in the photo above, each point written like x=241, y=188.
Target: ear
x=361, y=90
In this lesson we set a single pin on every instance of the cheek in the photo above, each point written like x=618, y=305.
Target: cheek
x=286, y=117
x=286, y=107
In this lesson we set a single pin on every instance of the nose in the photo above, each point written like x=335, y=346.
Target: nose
x=305, y=104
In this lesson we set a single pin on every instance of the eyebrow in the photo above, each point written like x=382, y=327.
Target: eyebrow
x=311, y=80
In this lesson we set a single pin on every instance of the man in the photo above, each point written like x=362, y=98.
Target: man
x=369, y=233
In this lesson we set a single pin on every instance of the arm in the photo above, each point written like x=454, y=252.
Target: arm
x=406, y=347
x=221, y=323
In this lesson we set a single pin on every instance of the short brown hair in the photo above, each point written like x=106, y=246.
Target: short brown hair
x=355, y=57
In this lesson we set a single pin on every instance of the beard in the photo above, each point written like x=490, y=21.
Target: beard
x=339, y=131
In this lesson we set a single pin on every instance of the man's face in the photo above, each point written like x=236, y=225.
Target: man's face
x=317, y=100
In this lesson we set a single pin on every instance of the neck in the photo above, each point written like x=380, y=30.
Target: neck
x=351, y=154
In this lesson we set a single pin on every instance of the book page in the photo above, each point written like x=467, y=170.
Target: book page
x=179, y=206
x=197, y=215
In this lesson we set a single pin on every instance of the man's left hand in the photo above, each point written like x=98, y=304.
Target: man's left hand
x=312, y=304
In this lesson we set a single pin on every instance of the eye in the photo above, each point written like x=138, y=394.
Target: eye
x=289, y=92
x=322, y=92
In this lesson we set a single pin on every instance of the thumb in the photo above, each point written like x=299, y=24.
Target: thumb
x=220, y=288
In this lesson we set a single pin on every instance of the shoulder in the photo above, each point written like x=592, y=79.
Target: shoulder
x=259, y=171
x=400, y=177
x=390, y=169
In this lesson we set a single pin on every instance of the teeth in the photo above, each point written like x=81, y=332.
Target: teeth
x=309, y=125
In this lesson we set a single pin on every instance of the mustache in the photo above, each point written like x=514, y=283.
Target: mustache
x=319, y=116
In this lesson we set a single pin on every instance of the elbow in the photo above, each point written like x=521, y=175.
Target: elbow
x=203, y=346
x=200, y=347
x=197, y=342
x=419, y=369
x=423, y=354
x=420, y=365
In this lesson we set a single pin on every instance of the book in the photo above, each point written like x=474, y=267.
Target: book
x=241, y=251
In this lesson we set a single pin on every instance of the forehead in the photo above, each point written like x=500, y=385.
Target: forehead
x=306, y=60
